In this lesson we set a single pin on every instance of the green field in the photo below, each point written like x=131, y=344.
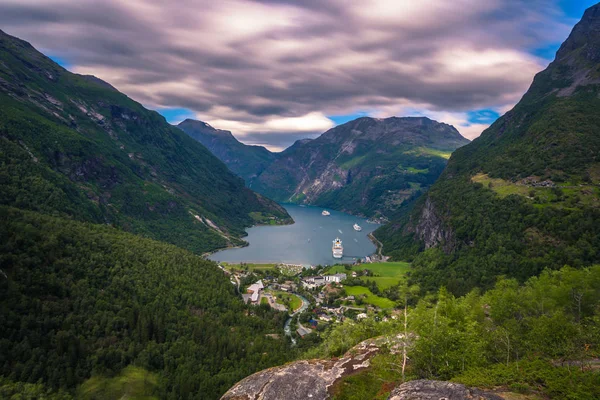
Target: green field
x=431, y=152
x=370, y=298
x=387, y=274
x=571, y=194
x=251, y=267
x=287, y=298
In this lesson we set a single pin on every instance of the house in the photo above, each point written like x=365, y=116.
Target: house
x=361, y=316
x=312, y=282
x=337, y=278
x=302, y=331
x=324, y=317
x=254, y=291
x=285, y=287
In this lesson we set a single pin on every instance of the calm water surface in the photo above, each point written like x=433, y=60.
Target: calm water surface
x=308, y=241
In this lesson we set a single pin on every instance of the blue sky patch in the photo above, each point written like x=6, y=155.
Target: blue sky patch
x=547, y=52
x=575, y=8
x=176, y=115
x=61, y=61
x=342, y=119
x=484, y=116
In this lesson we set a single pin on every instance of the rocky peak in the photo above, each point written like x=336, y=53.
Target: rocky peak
x=584, y=40
x=576, y=62
x=201, y=127
x=392, y=129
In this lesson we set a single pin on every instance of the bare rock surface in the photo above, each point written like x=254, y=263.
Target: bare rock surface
x=437, y=390
x=302, y=380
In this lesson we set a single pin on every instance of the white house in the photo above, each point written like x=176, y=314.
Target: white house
x=254, y=291
x=337, y=278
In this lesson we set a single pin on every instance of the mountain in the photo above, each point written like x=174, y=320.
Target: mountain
x=246, y=161
x=92, y=305
x=74, y=146
x=525, y=195
x=368, y=166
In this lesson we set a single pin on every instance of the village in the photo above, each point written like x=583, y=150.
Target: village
x=314, y=297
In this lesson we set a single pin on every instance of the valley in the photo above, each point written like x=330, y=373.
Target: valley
x=449, y=252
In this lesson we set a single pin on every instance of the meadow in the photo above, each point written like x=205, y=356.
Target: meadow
x=386, y=274
x=370, y=298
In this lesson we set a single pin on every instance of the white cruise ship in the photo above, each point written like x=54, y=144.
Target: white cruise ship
x=357, y=227
x=337, y=249
x=325, y=212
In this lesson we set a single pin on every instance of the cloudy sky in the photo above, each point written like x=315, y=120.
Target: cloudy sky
x=273, y=71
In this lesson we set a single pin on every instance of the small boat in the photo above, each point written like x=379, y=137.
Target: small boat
x=325, y=212
x=340, y=231
x=357, y=228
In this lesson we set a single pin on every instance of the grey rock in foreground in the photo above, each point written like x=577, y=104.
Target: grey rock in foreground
x=438, y=390
x=302, y=380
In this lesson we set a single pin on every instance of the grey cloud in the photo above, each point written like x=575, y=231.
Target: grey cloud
x=338, y=59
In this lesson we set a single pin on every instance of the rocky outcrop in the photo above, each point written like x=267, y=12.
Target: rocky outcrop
x=431, y=229
x=301, y=380
x=437, y=390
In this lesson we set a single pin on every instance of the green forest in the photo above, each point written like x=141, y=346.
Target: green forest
x=80, y=300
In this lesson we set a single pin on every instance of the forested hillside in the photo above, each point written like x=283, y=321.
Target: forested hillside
x=78, y=299
x=246, y=161
x=526, y=194
x=74, y=146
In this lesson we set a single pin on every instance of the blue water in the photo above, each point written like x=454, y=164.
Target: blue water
x=308, y=241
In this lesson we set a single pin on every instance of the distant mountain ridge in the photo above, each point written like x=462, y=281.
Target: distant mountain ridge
x=246, y=161
x=73, y=145
x=368, y=166
x=525, y=195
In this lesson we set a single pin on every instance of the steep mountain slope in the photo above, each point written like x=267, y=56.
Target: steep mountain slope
x=525, y=195
x=367, y=166
x=74, y=146
x=245, y=161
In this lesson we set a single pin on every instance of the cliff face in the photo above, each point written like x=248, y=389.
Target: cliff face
x=430, y=228
x=367, y=166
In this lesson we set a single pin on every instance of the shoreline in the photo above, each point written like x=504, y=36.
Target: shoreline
x=379, y=247
x=205, y=255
